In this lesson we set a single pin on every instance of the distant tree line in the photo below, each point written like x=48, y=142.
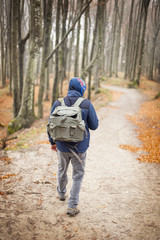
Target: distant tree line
x=87, y=38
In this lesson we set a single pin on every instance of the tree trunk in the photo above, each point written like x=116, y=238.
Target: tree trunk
x=55, y=92
x=114, y=23
x=85, y=39
x=20, y=52
x=150, y=75
x=10, y=46
x=118, y=40
x=16, y=99
x=22, y=43
x=70, y=53
x=101, y=23
x=3, y=43
x=47, y=84
x=71, y=41
x=105, y=24
x=26, y=114
x=155, y=17
x=92, y=52
x=107, y=44
x=136, y=43
x=45, y=51
x=139, y=65
x=63, y=50
x=128, y=47
x=76, y=64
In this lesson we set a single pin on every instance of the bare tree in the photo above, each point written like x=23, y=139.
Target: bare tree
x=92, y=52
x=145, y=5
x=85, y=42
x=63, y=49
x=76, y=64
x=14, y=54
x=47, y=19
x=71, y=39
x=3, y=41
x=100, y=46
x=136, y=33
x=128, y=42
x=55, y=91
x=118, y=37
x=26, y=114
x=21, y=47
x=155, y=20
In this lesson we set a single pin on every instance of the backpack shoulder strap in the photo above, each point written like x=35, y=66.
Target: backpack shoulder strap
x=78, y=102
x=61, y=100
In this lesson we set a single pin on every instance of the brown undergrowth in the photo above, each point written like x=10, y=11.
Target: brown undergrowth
x=148, y=122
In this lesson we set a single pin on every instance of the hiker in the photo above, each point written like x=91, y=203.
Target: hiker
x=71, y=151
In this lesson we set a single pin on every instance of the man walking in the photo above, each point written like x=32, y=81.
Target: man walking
x=77, y=158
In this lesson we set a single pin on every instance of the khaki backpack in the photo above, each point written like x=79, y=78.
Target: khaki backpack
x=66, y=124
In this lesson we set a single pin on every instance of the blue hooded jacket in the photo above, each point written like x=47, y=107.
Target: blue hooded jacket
x=76, y=89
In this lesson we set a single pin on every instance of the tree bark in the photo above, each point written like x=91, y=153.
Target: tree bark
x=136, y=42
x=55, y=92
x=114, y=23
x=128, y=47
x=63, y=49
x=21, y=47
x=99, y=40
x=22, y=43
x=76, y=64
x=150, y=75
x=155, y=20
x=26, y=114
x=85, y=38
x=10, y=46
x=45, y=51
x=139, y=65
x=71, y=40
x=92, y=52
x=47, y=84
x=118, y=40
x=16, y=99
x=3, y=43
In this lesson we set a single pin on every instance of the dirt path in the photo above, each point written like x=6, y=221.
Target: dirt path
x=119, y=200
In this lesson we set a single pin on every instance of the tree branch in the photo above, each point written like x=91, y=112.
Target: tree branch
x=90, y=65
x=4, y=140
x=67, y=33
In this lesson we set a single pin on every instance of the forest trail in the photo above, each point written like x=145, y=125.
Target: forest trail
x=119, y=199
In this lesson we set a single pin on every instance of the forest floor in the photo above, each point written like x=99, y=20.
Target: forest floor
x=120, y=194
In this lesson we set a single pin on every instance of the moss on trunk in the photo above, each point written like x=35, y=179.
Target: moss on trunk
x=19, y=123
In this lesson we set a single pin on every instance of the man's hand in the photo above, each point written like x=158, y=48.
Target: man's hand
x=53, y=147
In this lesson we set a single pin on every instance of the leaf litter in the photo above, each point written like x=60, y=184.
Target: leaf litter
x=148, y=122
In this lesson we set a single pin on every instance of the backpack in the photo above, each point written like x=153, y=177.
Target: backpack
x=66, y=124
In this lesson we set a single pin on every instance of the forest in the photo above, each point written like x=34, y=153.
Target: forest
x=45, y=42
x=114, y=46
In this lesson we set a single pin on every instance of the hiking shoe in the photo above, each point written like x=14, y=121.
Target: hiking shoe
x=61, y=197
x=72, y=211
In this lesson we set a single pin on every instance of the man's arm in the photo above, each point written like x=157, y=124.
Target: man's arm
x=92, y=118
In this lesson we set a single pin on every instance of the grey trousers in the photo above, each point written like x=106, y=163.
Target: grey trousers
x=64, y=158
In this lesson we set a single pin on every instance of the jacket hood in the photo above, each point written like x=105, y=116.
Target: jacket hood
x=78, y=85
